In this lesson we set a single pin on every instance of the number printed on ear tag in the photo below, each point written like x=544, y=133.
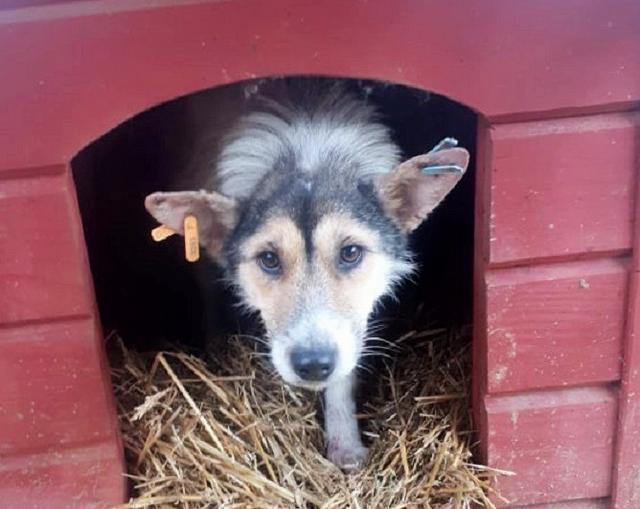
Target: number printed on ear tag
x=191, y=241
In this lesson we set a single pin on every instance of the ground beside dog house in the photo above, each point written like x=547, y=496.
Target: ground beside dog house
x=557, y=86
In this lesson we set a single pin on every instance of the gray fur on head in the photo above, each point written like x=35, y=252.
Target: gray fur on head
x=307, y=123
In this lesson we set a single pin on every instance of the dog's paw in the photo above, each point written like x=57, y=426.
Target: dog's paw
x=348, y=457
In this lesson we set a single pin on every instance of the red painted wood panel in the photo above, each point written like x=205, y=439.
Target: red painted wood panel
x=42, y=259
x=17, y=4
x=481, y=229
x=559, y=443
x=75, y=478
x=593, y=503
x=555, y=325
x=54, y=391
x=76, y=72
x=626, y=489
x=562, y=187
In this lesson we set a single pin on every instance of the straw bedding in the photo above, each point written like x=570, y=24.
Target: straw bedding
x=228, y=433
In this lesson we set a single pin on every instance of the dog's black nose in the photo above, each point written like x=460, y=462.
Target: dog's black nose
x=313, y=364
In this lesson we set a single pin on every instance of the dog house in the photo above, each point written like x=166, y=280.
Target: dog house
x=557, y=259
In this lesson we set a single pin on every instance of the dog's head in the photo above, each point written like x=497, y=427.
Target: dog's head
x=314, y=253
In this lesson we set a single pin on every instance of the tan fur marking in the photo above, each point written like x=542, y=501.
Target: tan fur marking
x=351, y=293
x=275, y=297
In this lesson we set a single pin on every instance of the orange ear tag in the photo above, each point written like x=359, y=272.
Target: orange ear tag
x=191, y=241
x=162, y=232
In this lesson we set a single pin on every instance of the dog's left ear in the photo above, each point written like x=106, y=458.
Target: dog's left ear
x=414, y=188
x=216, y=214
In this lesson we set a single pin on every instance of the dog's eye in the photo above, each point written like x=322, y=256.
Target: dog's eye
x=350, y=256
x=269, y=262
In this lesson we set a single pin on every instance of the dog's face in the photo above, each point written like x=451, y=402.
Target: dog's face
x=315, y=286
x=313, y=254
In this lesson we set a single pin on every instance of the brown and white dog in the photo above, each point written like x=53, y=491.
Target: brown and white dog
x=308, y=209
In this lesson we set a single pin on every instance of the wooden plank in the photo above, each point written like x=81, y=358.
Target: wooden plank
x=626, y=492
x=480, y=256
x=54, y=388
x=57, y=99
x=559, y=443
x=43, y=269
x=20, y=4
x=562, y=188
x=592, y=503
x=88, y=477
x=626, y=488
x=555, y=325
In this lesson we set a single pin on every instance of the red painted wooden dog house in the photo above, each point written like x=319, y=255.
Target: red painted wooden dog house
x=557, y=85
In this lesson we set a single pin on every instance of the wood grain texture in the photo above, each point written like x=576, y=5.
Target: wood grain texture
x=480, y=256
x=592, y=503
x=559, y=443
x=562, y=188
x=626, y=488
x=555, y=325
x=88, y=477
x=76, y=73
x=43, y=272
x=53, y=390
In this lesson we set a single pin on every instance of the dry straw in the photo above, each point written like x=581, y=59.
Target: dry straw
x=229, y=433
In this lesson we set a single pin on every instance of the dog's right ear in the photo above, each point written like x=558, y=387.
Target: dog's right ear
x=413, y=189
x=216, y=214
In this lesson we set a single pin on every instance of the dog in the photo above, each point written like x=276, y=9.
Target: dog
x=308, y=207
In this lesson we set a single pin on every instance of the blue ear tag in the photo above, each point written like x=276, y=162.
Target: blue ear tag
x=443, y=168
x=444, y=144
